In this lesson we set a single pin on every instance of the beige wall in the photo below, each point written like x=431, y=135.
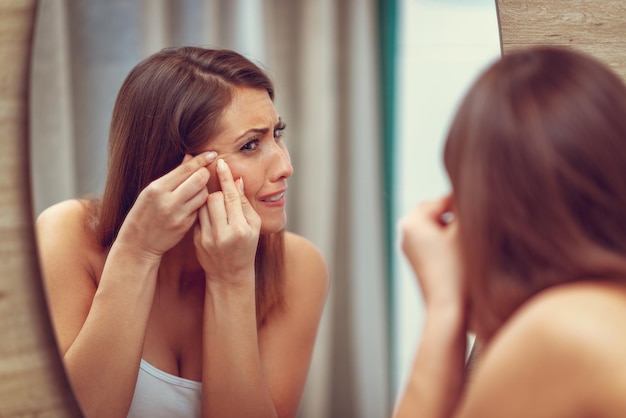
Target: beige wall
x=31, y=382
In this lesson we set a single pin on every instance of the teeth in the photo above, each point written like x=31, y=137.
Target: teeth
x=275, y=198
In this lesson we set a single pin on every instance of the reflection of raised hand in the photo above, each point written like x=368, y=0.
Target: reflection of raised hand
x=167, y=208
x=226, y=239
x=227, y=234
x=430, y=243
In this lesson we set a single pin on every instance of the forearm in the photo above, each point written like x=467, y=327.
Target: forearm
x=436, y=381
x=233, y=382
x=102, y=362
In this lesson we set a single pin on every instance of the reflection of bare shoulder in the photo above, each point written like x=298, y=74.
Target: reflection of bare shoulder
x=304, y=260
x=306, y=272
x=66, y=235
x=559, y=355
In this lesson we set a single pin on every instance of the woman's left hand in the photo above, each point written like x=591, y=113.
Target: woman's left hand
x=430, y=243
x=227, y=234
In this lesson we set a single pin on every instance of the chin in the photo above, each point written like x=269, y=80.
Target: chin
x=273, y=226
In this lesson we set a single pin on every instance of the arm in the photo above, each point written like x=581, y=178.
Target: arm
x=247, y=372
x=233, y=384
x=437, y=376
x=100, y=346
x=226, y=238
x=100, y=328
x=267, y=371
x=436, y=381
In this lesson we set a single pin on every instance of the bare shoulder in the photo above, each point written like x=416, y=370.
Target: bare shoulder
x=72, y=217
x=305, y=267
x=64, y=233
x=68, y=213
x=561, y=354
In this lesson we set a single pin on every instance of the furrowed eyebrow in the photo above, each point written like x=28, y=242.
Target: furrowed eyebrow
x=263, y=131
x=254, y=130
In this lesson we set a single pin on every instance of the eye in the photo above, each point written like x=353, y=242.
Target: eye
x=250, y=145
x=279, y=131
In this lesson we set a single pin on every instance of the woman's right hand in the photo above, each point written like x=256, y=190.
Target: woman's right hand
x=430, y=243
x=167, y=208
x=227, y=234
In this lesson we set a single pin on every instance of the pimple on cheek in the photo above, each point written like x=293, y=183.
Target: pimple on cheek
x=214, y=181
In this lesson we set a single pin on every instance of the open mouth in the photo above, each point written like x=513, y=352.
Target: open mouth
x=274, y=198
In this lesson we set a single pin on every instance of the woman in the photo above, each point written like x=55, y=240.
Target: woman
x=183, y=273
x=529, y=250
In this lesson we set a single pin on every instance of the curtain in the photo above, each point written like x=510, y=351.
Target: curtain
x=323, y=56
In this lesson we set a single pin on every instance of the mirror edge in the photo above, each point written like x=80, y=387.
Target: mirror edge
x=32, y=380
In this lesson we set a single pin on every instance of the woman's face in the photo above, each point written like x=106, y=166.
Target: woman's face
x=249, y=140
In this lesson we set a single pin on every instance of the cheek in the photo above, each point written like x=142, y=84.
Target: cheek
x=285, y=150
x=245, y=170
x=214, y=184
x=237, y=168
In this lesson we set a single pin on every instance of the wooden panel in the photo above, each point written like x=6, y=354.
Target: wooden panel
x=596, y=27
x=32, y=382
x=31, y=378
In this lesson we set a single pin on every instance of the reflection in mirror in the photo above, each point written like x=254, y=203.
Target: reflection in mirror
x=323, y=60
x=168, y=267
x=444, y=45
x=179, y=276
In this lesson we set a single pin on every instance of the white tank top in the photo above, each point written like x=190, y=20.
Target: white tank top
x=160, y=394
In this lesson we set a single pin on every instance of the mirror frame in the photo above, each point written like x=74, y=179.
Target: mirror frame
x=32, y=380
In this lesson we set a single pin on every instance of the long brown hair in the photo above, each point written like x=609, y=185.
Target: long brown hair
x=169, y=105
x=537, y=156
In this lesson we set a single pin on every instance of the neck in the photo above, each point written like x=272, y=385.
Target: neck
x=180, y=265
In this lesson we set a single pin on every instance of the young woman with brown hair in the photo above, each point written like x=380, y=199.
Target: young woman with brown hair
x=529, y=250
x=179, y=293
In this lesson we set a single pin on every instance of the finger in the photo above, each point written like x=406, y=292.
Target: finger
x=232, y=198
x=203, y=217
x=203, y=226
x=192, y=186
x=196, y=201
x=186, y=169
x=187, y=157
x=447, y=212
x=249, y=213
x=438, y=211
x=424, y=217
x=217, y=210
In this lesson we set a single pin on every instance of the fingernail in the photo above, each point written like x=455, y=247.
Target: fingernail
x=240, y=185
x=221, y=165
x=210, y=156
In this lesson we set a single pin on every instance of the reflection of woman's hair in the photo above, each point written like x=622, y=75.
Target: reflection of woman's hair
x=169, y=105
x=537, y=156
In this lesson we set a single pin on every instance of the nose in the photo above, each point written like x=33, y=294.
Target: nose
x=281, y=167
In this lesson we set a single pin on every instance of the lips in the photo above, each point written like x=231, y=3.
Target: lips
x=274, y=198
